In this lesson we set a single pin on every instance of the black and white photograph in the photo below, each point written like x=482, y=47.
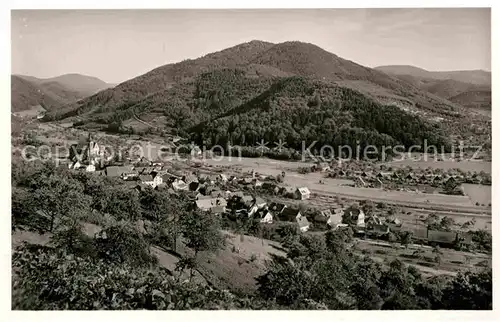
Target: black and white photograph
x=251, y=159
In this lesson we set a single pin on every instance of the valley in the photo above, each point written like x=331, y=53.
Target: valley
x=263, y=176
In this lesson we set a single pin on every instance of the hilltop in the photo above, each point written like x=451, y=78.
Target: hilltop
x=25, y=95
x=178, y=98
x=477, y=77
x=52, y=93
x=470, y=88
x=82, y=84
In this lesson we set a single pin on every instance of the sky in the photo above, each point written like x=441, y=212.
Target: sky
x=116, y=45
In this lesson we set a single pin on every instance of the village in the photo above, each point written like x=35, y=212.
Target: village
x=264, y=199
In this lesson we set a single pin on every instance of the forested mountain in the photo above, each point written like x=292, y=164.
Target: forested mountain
x=296, y=110
x=271, y=91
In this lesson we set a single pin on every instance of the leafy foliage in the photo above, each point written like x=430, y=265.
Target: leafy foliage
x=50, y=280
x=328, y=272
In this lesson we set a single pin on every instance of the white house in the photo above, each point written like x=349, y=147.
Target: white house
x=267, y=217
x=361, y=219
x=179, y=185
x=303, y=223
x=215, y=205
x=294, y=215
x=90, y=168
x=302, y=193
x=258, y=204
x=150, y=180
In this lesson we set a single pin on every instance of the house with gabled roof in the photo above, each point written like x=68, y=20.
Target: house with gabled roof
x=441, y=237
x=179, y=185
x=214, y=205
x=265, y=216
x=303, y=223
x=302, y=193
x=247, y=200
x=410, y=176
x=276, y=208
x=328, y=218
x=257, y=204
x=294, y=215
x=151, y=180
x=117, y=171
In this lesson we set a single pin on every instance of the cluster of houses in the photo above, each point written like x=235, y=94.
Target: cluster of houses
x=85, y=155
x=258, y=209
x=209, y=196
x=387, y=179
x=376, y=227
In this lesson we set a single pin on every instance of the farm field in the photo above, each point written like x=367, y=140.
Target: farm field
x=337, y=186
x=451, y=261
x=472, y=166
x=334, y=186
x=478, y=193
x=260, y=165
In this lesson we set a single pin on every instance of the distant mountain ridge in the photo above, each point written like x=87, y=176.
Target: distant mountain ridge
x=86, y=85
x=52, y=93
x=469, y=88
x=477, y=77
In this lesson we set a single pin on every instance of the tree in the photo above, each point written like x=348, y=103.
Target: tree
x=447, y=223
x=122, y=243
x=406, y=239
x=59, y=197
x=470, y=291
x=436, y=250
x=201, y=232
x=122, y=202
x=418, y=253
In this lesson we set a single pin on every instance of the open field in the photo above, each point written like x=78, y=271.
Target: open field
x=237, y=265
x=337, y=186
x=452, y=261
x=478, y=193
x=260, y=165
x=465, y=165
